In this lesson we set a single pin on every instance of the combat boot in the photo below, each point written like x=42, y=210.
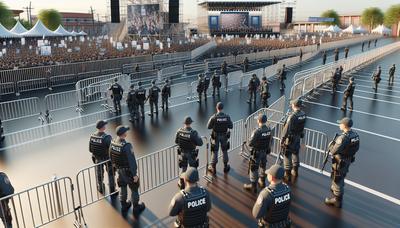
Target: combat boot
x=335, y=201
x=125, y=206
x=288, y=176
x=252, y=187
x=212, y=169
x=227, y=167
x=261, y=182
x=295, y=172
x=138, y=209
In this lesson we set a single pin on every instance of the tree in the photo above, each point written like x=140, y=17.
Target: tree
x=372, y=17
x=51, y=18
x=6, y=18
x=392, y=15
x=331, y=14
x=26, y=24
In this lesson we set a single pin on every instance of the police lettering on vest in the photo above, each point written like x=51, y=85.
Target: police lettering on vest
x=196, y=203
x=195, y=211
x=353, y=144
x=97, y=146
x=118, y=157
x=279, y=210
x=282, y=199
x=184, y=139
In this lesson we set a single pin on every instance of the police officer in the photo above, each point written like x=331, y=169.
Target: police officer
x=187, y=140
x=153, y=98
x=369, y=43
x=99, y=145
x=324, y=55
x=117, y=93
x=220, y=124
x=346, y=52
x=216, y=82
x=343, y=151
x=260, y=143
x=165, y=94
x=392, y=70
x=245, y=65
x=207, y=80
x=282, y=76
x=200, y=87
x=376, y=77
x=335, y=80
x=301, y=55
x=376, y=41
x=336, y=52
x=273, y=203
x=274, y=60
x=133, y=104
x=6, y=189
x=141, y=98
x=224, y=71
x=348, y=95
x=292, y=133
x=1, y=131
x=252, y=88
x=137, y=68
x=124, y=162
x=264, y=90
x=191, y=204
x=362, y=47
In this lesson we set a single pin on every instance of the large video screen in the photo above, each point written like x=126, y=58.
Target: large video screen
x=234, y=20
x=144, y=20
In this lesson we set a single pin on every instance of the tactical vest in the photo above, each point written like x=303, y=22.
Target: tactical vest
x=153, y=93
x=353, y=144
x=216, y=79
x=185, y=139
x=352, y=88
x=6, y=187
x=194, y=213
x=207, y=81
x=118, y=156
x=116, y=89
x=97, y=146
x=279, y=210
x=165, y=90
x=200, y=85
x=263, y=139
x=131, y=97
x=221, y=122
x=141, y=94
x=299, y=122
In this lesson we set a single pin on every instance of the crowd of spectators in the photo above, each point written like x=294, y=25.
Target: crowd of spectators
x=29, y=54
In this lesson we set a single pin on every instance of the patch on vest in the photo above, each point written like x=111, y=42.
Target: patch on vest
x=196, y=203
x=282, y=199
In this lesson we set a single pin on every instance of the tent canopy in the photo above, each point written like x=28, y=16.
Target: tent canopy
x=4, y=33
x=332, y=29
x=61, y=30
x=18, y=28
x=73, y=33
x=39, y=30
x=351, y=29
x=360, y=29
x=381, y=29
x=82, y=33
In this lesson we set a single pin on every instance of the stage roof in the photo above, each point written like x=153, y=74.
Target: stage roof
x=253, y=3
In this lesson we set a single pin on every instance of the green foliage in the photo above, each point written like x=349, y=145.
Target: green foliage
x=331, y=14
x=392, y=15
x=372, y=17
x=51, y=18
x=26, y=24
x=6, y=18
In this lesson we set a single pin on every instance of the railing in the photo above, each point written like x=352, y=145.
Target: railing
x=19, y=108
x=7, y=88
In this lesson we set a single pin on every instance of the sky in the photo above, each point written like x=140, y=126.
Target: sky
x=305, y=8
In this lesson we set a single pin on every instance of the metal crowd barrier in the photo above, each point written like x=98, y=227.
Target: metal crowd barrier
x=61, y=101
x=170, y=71
x=62, y=80
x=40, y=205
x=10, y=110
x=7, y=88
x=35, y=84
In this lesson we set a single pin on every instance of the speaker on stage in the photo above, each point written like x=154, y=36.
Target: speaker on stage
x=289, y=15
x=173, y=11
x=115, y=17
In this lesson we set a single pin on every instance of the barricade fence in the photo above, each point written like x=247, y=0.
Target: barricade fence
x=7, y=88
x=307, y=83
x=35, y=84
x=10, y=110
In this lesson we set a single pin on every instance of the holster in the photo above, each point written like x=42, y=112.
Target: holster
x=228, y=135
x=180, y=161
x=252, y=163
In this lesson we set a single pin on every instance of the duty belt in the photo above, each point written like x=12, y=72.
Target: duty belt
x=205, y=225
x=282, y=224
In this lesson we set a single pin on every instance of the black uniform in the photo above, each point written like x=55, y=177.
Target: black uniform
x=301, y=55
x=207, y=80
x=369, y=44
x=348, y=95
x=1, y=131
x=362, y=47
x=6, y=189
x=274, y=60
x=392, y=70
x=153, y=99
x=346, y=52
x=376, y=77
x=99, y=145
x=245, y=65
x=343, y=152
x=216, y=83
x=324, y=58
x=272, y=206
x=336, y=54
x=220, y=123
x=282, y=77
x=165, y=94
x=292, y=133
x=260, y=143
x=124, y=162
x=140, y=94
x=265, y=94
x=117, y=93
x=376, y=41
x=133, y=104
x=335, y=80
x=191, y=206
x=187, y=140
x=252, y=89
x=200, y=87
